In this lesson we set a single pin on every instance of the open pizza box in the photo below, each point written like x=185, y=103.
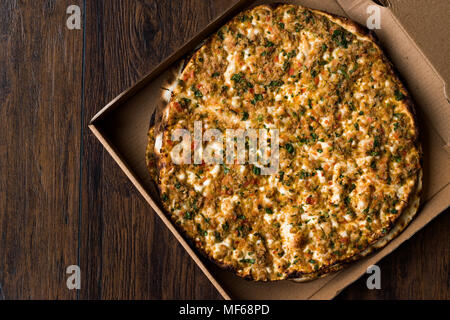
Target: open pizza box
x=412, y=34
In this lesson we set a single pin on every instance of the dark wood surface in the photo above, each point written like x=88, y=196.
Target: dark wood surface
x=63, y=200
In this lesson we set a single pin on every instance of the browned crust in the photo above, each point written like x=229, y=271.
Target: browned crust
x=367, y=35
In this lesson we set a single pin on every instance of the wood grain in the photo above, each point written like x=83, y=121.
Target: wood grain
x=40, y=90
x=52, y=81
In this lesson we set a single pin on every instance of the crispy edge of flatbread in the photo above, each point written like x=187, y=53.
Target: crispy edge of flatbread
x=157, y=120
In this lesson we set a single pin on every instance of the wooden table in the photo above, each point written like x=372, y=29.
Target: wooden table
x=63, y=200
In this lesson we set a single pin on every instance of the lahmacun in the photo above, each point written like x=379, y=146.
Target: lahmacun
x=349, y=172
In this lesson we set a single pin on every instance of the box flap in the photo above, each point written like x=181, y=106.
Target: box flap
x=419, y=19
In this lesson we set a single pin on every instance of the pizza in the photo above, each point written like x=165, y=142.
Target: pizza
x=349, y=173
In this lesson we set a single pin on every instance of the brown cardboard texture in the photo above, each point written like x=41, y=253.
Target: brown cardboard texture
x=122, y=128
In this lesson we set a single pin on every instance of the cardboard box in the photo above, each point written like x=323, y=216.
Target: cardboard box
x=122, y=128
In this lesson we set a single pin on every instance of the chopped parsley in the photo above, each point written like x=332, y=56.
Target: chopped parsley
x=399, y=95
x=220, y=34
x=251, y=261
x=290, y=148
x=197, y=92
x=339, y=36
x=268, y=44
x=276, y=83
x=258, y=97
x=237, y=77
x=201, y=231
